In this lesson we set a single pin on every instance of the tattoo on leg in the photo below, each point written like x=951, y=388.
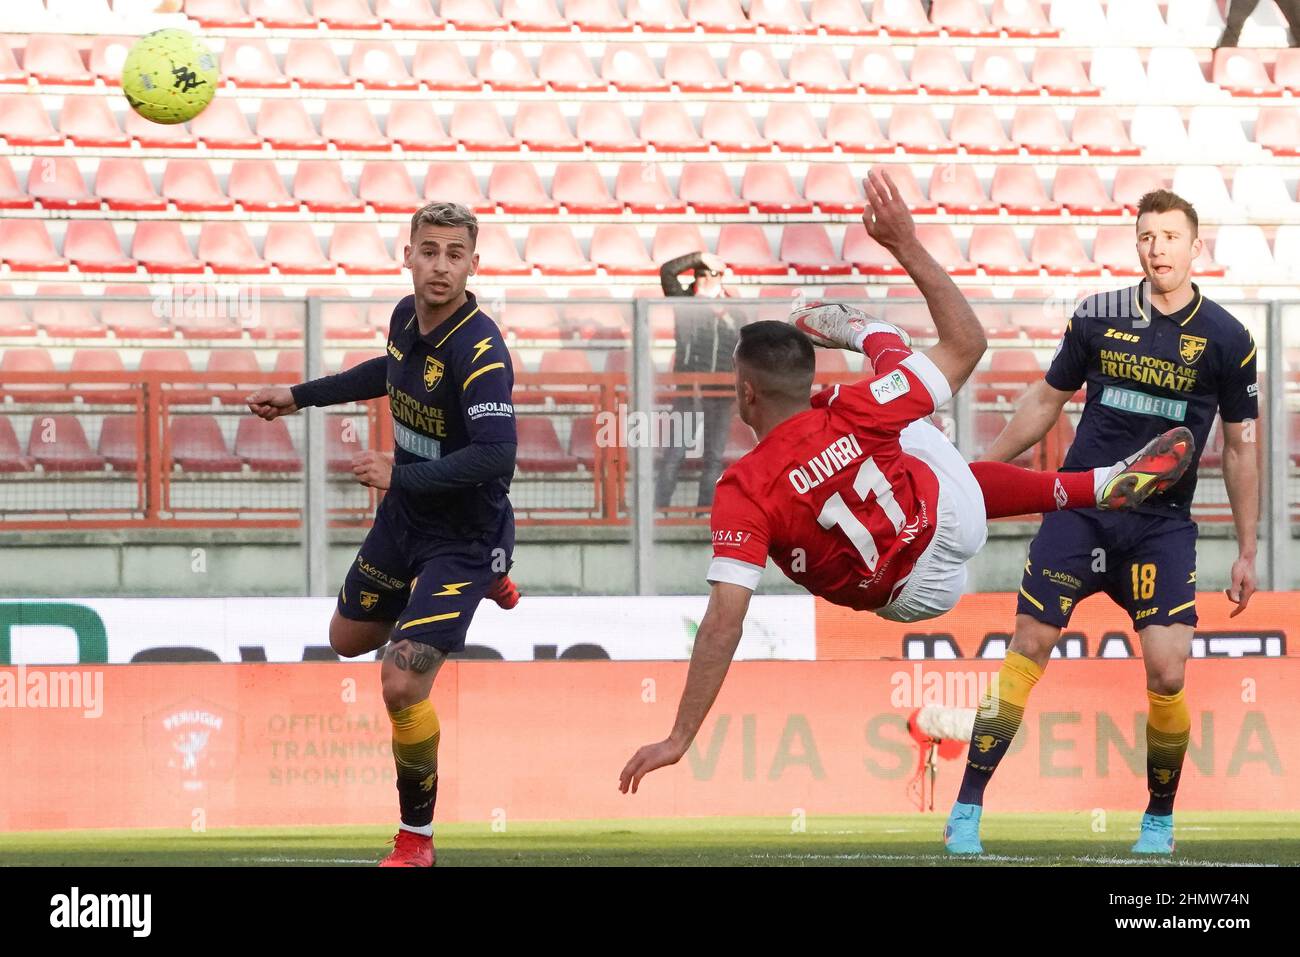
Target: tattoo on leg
x=410, y=656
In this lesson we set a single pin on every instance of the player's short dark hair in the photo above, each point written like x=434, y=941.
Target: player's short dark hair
x=446, y=214
x=1166, y=201
x=780, y=355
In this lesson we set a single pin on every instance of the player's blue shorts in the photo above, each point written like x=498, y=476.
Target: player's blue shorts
x=1145, y=563
x=430, y=587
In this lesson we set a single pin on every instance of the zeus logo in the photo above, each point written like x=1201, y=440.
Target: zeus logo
x=480, y=348
x=452, y=589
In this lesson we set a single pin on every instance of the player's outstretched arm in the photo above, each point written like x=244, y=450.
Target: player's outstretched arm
x=272, y=402
x=961, y=337
x=1039, y=410
x=1241, y=477
x=368, y=380
x=715, y=646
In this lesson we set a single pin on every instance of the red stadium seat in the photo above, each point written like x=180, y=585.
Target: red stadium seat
x=604, y=127
x=1286, y=71
x=377, y=65
x=830, y=361
x=868, y=256
x=642, y=188
x=58, y=444
x=55, y=182
x=618, y=249
x=552, y=248
x=999, y=73
x=1115, y=249
x=910, y=189
x=223, y=126
x=70, y=319
x=414, y=126
x=136, y=320
x=962, y=18
x=479, y=127
x=980, y=132
x=853, y=128
x=792, y=128
x=92, y=246
x=1134, y=182
x=360, y=251
x=542, y=128
x=240, y=364
x=878, y=71
x=281, y=14
x=193, y=187
x=1079, y=189
x=1241, y=72
x=119, y=443
x=350, y=125
x=292, y=360
x=596, y=16
x=937, y=71
x=769, y=188
x=659, y=16
x=25, y=246
x=157, y=135
x=902, y=18
x=472, y=15
x=755, y=70
x=667, y=128
x=691, y=68
x=939, y=241
x=1061, y=73
x=53, y=58
x=1038, y=129
x=342, y=443
x=294, y=250
x=582, y=437
x=504, y=68
x=24, y=122
x=997, y=251
x=13, y=196
x=627, y=67
x=345, y=14
x=455, y=182
x=1022, y=19
x=915, y=128
x=266, y=446
x=387, y=188
x=320, y=186
x=440, y=66
x=1057, y=249
x=226, y=248
x=249, y=63
x=1278, y=129
x=197, y=445
x=539, y=447
x=221, y=14
x=88, y=122
x=25, y=360
x=719, y=16
x=779, y=17
x=707, y=188
x=534, y=321
x=1099, y=130
x=729, y=126
x=285, y=125
x=808, y=250
x=579, y=188
x=747, y=252
x=161, y=247
x=676, y=239
x=517, y=189
x=843, y=18
x=256, y=186
x=534, y=16
x=832, y=187
x=11, y=74
x=564, y=67
x=817, y=70
x=1019, y=190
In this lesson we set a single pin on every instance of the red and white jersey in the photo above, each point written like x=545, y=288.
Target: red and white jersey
x=830, y=495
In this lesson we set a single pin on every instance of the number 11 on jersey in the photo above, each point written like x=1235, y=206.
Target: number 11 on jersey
x=836, y=511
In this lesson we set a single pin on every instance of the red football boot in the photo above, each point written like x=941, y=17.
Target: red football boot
x=1154, y=468
x=411, y=850
x=504, y=592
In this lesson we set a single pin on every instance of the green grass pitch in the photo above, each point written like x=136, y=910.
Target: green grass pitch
x=1213, y=839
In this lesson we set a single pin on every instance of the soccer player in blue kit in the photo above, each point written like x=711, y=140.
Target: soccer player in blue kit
x=444, y=532
x=1153, y=357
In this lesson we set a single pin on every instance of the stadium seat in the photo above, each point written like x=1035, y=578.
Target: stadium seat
x=118, y=445
x=755, y=70
x=1286, y=253
x=1205, y=187
x=92, y=246
x=878, y=71
x=498, y=255
x=1175, y=75
x=479, y=127
x=285, y=125
x=414, y=126
x=292, y=248
x=719, y=16
x=539, y=447
x=227, y=249
x=979, y=131
x=958, y=190
x=668, y=128
x=962, y=18
x=542, y=128
x=136, y=320
x=70, y=319
x=777, y=17
x=1099, y=130
x=1217, y=131
x=312, y=65
x=1118, y=70
x=192, y=186
x=157, y=135
x=13, y=196
x=940, y=242
x=240, y=364
x=472, y=15
x=581, y=190
x=691, y=68
x=534, y=16
x=792, y=128
x=1038, y=129
x=504, y=68
x=1161, y=129
x=628, y=68
x=833, y=189
x=853, y=128
x=387, y=188
x=552, y=248
x=618, y=249
x=843, y=18
x=360, y=251
x=319, y=185
x=642, y=188
x=24, y=122
x=769, y=188
x=197, y=445
x=1019, y=190
x=866, y=255
x=808, y=250
x=534, y=321
x=1057, y=249
x=11, y=74
x=517, y=189
x=1134, y=182
x=676, y=239
x=346, y=14
x=248, y=63
x=266, y=446
x=1278, y=129
x=292, y=360
x=256, y=186
x=596, y=16
x=582, y=436
x=1262, y=192
x=659, y=16
x=817, y=70
x=997, y=251
x=25, y=246
x=1079, y=189
x=1286, y=71
x=910, y=189
x=730, y=127
x=440, y=66
x=55, y=182
x=342, y=443
x=564, y=67
x=25, y=361
x=999, y=73
x=937, y=71
x=1060, y=73
x=221, y=14
x=604, y=127
x=376, y=65
x=12, y=457
x=455, y=182
x=88, y=122
x=1115, y=249
x=1245, y=253
x=902, y=18
x=915, y=128
x=58, y=444
x=350, y=125
x=281, y=14
x=53, y=59
x=1241, y=72
x=708, y=190
x=746, y=250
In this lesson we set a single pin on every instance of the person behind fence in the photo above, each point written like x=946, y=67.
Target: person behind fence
x=706, y=337
x=1239, y=12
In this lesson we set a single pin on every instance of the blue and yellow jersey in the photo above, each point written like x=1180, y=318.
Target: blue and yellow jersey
x=1146, y=372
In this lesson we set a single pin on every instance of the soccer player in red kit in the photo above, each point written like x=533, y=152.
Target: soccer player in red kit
x=851, y=492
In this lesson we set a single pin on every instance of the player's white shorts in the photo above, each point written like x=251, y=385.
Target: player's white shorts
x=938, y=579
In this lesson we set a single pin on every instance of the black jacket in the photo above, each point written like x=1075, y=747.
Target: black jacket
x=706, y=334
